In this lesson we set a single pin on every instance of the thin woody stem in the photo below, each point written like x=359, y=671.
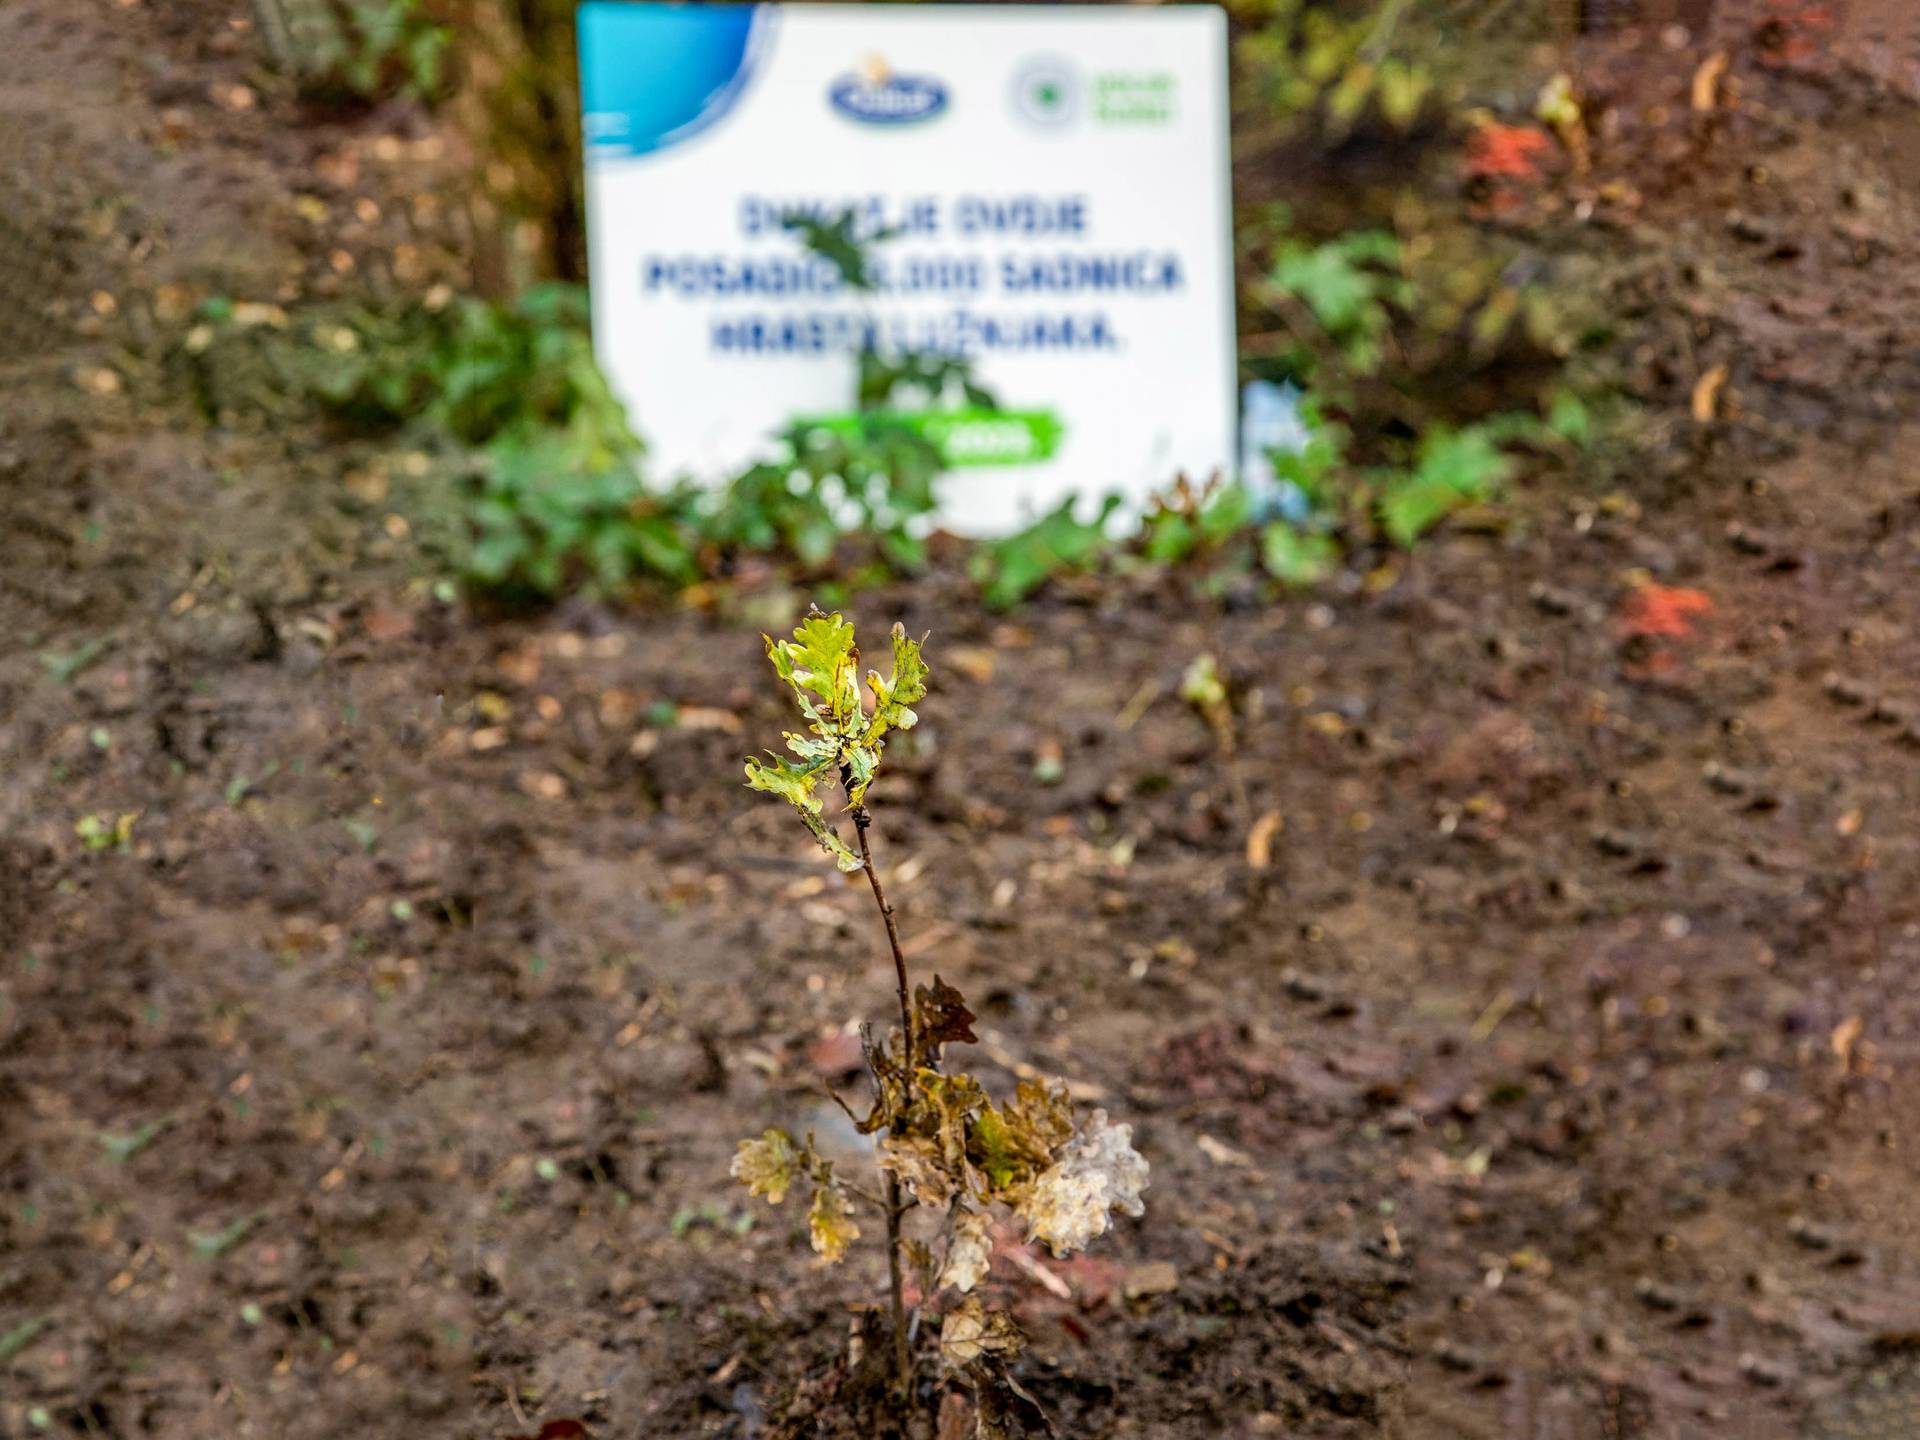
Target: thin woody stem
x=902, y=1359
x=896, y=1207
x=861, y=819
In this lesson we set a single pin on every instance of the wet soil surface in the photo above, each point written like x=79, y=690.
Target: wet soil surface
x=1544, y=1068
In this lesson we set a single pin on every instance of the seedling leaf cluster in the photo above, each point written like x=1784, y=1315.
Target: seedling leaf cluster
x=945, y=1146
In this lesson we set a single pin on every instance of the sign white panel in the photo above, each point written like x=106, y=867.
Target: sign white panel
x=1056, y=179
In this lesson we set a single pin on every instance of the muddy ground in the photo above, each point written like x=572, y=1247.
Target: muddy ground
x=1552, y=1077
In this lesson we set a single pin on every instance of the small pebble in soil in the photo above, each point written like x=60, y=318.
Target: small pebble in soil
x=1656, y=1296
x=1809, y=1235
x=1890, y=712
x=1844, y=691
x=1725, y=779
x=1553, y=601
x=1303, y=987
x=1402, y=1120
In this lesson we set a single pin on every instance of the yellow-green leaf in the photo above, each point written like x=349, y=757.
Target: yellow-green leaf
x=823, y=660
x=893, y=696
x=795, y=784
x=767, y=1166
x=830, y=1223
x=821, y=664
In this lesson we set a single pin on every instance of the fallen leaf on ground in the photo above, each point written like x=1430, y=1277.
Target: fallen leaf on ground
x=1706, y=394
x=1156, y=1277
x=1221, y=1153
x=1260, y=840
x=1845, y=1035
x=1508, y=152
x=387, y=624
x=555, y=1430
x=1706, y=81
x=1665, y=610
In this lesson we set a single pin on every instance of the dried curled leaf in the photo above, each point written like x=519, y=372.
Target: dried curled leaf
x=830, y=1222
x=891, y=1093
x=943, y=1111
x=947, y=1139
x=1042, y=1112
x=971, y=1330
x=1011, y=1146
x=821, y=664
x=969, y=1247
x=941, y=1017
x=916, y=1161
x=1097, y=1172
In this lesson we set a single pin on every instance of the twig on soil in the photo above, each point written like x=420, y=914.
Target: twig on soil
x=1037, y=1272
x=1141, y=701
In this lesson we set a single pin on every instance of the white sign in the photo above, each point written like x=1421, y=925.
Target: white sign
x=1055, y=182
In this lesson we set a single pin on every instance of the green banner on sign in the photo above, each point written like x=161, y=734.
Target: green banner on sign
x=968, y=437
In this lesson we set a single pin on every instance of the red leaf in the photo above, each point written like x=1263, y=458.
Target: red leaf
x=1507, y=152
x=1665, y=610
x=556, y=1430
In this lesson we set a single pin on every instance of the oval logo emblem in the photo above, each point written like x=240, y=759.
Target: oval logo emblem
x=889, y=100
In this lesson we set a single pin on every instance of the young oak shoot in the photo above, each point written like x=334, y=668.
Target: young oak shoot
x=945, y=1144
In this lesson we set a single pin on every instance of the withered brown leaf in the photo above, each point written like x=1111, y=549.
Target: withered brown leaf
x=940, y=1017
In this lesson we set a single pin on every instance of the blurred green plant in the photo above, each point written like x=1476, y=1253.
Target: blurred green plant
x=1010, y=569
x=1364, y=309
x=548, y=489
x=1349, y=286
x=358, y=50
x=548, y=486
x=876, y=481
x=1325, y=505
x=473, y=369
x=544, y=519
x=1310, y=68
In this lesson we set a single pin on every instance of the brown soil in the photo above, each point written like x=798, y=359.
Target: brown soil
x=1550, y=1081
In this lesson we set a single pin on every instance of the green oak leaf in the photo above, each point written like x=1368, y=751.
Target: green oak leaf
x=821, y=666
x=893, y=696
x=821, y=660
x=796, y=784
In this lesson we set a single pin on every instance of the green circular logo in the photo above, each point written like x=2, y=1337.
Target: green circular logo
x=1046, y=92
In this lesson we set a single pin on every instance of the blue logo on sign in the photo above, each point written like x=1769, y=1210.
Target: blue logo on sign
x=880, y=98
